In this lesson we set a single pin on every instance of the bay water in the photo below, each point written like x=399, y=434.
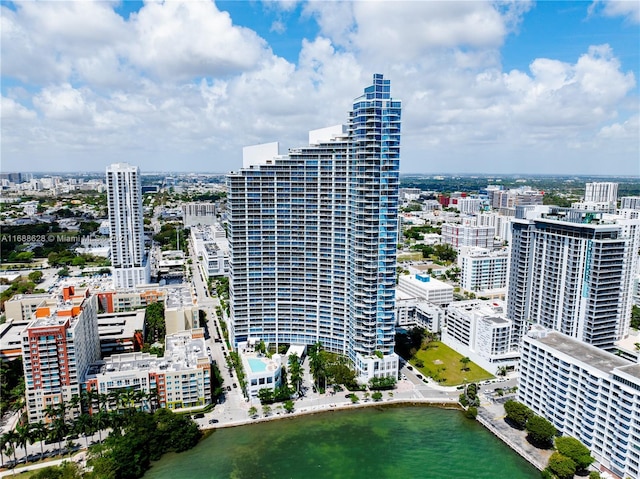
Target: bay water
x=386, y=443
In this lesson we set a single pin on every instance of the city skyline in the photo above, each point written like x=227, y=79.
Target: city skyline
x=85, y=84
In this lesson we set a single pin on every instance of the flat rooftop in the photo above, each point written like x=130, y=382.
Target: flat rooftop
x=631, y=370
x=182, y=353
x=120, y=325
x=588, y=354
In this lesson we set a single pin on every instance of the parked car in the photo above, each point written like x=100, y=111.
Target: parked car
x=213, y=421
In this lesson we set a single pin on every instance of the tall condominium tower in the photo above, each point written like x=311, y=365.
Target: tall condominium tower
x=58, y=346
x=313, y=237
x=571, y=271
x=124, y=192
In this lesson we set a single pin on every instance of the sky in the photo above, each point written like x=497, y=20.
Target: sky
x=509, y=87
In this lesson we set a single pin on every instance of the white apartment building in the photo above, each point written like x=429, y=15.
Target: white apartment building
x=468, y=205
x=459, y=235
x=262, y=372
x=413, y=312
x=601, y=192
x=630, y=203
x=572, y=271
x=313, y=238
x=483, y=271
x=602, y=206
x=199, y=214
x=478, y=329
x=126, y=228
x=587, y=393
x=181, y=379
x=58, y=346
x=500, y=222
x=212, y=247
x=522, y=196
x=426, y=288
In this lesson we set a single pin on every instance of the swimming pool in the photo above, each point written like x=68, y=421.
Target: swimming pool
x=256, y=365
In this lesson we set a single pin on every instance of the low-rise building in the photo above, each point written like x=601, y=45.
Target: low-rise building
x=424, y=287
x=121, y=332
x=212, y=248
x=180, y=380
x=478, y=329
x=587, y=393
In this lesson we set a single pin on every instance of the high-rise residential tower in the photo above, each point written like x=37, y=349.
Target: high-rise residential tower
x=58, y=346
x=571, y=271
x=124, y=195
x=313, y=237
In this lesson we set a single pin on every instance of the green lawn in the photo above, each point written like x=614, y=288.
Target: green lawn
x=443, y=364
x=415, y=256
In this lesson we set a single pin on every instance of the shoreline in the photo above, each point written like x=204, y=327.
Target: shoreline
x=388, y=403
x=307, y=411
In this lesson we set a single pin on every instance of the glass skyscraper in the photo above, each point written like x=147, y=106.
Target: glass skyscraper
x=313, y=238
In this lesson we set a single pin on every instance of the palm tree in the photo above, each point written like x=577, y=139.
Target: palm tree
x=465, y=363
x=114, y=398
x=140, y=398
x=295, y=372
x=11, y=439
x=84, y=425
x=154, y=399
x=24, y=437
x=58, y=427
x=4, y=446
x=40, y=432
x=316, y=363
x=101, y=421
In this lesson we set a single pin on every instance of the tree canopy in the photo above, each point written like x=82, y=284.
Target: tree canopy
x=517, y=413
x=575, y=450
x=540, y=431
x=562, y=466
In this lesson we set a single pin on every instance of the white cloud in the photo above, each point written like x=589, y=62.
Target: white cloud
x=629, y=9
x=628, y=130
x=14, y=111
x=192, y=39
x=179, y=86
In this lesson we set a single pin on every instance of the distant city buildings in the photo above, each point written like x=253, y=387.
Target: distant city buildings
x=124, y=197
x=572, y=271
x=587, y=393
x=199, y=214
x=313, y=238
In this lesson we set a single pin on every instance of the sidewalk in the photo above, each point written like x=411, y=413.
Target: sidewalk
x=77, y=458
x=491, y=415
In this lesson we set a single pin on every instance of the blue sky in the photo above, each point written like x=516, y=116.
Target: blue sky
x=511, y=87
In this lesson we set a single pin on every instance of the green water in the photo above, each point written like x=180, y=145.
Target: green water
x=403, y=443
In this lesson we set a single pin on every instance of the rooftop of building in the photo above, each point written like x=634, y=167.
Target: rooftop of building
x=183, y=351
x=631, y=370
x=424, y=281
x=120, y=325
x=179, y=296
x=586, y=353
